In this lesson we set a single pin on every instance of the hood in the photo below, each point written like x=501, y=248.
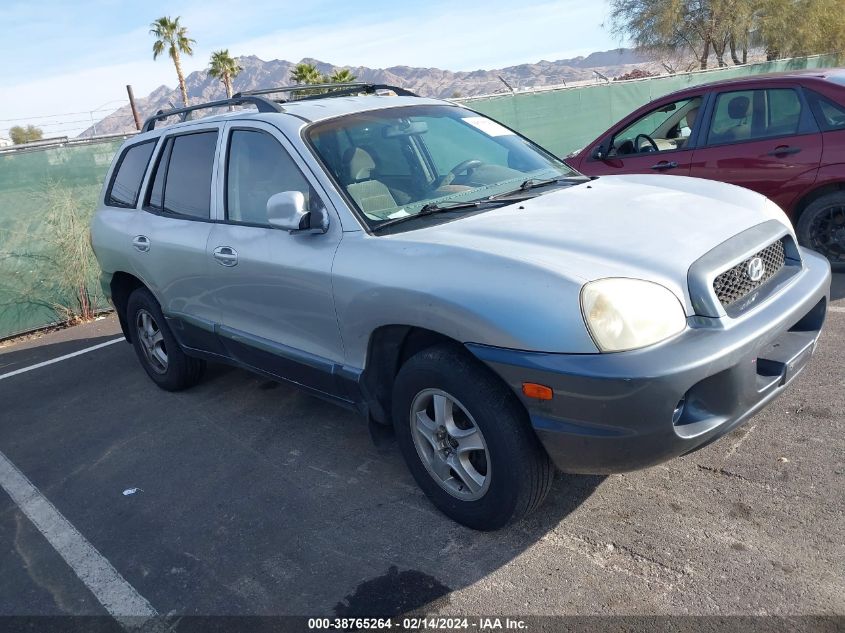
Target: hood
x=650, y=227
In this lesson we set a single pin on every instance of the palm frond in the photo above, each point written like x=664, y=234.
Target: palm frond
x=170, y=34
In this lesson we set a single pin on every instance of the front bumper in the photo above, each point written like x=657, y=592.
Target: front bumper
x=629, y=410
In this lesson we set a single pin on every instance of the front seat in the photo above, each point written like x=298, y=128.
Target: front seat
x=358, y=164
x=369, y=194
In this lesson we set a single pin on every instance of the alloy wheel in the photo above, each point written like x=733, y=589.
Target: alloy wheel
x=151, y=341
x=450, y=444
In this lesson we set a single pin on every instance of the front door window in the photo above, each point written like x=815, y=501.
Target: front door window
x=663, y=129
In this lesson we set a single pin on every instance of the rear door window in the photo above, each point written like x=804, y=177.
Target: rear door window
x=750, y=115
x=129, y=174
x=182, y=182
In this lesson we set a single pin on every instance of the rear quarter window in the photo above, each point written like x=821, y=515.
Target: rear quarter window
x=829, y=114
x=128, y=175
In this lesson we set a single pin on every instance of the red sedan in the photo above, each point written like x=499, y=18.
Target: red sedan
x=781, y=135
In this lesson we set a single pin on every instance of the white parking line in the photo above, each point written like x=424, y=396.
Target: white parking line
x=61, y=358
x=119, y=598
x=836, y=308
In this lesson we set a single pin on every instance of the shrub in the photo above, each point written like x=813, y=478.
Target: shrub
x=47, y=261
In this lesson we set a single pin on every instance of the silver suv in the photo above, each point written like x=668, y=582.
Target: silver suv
x=432, y=269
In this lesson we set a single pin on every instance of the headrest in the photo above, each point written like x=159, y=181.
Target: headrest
x=359, y=164
x=738, y=107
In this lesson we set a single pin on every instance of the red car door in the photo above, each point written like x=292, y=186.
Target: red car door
x=657, y=141
x=764, y=139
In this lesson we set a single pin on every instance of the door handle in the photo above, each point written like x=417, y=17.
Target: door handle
x=665, y=164
x=226, y=256
x=784, y=150
x=141, y=243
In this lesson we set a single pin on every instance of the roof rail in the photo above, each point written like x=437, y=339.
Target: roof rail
x=336, y=90
x=263, y=105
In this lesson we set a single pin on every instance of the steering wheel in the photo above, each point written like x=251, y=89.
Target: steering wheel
x=467, y=165
x=654, y=147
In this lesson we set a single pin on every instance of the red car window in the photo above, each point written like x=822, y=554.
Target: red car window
x=665, y=128
x=830, y=115
x=749, y=115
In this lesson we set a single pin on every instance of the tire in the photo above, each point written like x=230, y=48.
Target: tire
x=159, y=352
x=508, y=478
x=822, y=228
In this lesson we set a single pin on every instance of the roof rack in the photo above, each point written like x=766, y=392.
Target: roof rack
x=263, y=105
x=272, y=105
x=336, y=90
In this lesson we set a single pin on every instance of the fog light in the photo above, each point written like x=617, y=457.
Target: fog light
x=679, y=410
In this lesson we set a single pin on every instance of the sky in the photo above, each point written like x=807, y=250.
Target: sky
x=70, y=60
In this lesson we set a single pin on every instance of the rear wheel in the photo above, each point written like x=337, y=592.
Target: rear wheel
x=160, y=355
x=822, y=228
x=467, y=440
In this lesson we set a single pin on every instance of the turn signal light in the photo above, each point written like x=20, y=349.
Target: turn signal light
x=539, y=392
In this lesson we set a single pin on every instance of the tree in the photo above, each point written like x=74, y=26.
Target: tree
x=225, y=68
x=21, y=135
x=718, y=27
x=699, y=26
x=306, y=74
x=788, y=28
x=173, y=38
x=341, y=76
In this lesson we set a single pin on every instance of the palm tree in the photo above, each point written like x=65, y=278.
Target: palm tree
x=225, y=68
x=306, y=74
x=172, y=37
x=341, y=76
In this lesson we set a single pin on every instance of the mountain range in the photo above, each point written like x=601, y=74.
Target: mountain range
x=429, y=82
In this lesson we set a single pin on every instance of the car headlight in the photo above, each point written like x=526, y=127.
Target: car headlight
x=623, y=314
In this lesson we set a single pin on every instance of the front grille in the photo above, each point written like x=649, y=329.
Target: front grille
x=735, y=283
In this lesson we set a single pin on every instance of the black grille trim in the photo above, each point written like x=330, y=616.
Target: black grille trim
x=734, y=283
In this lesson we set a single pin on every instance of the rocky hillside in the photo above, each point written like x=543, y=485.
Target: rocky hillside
x=432, y=82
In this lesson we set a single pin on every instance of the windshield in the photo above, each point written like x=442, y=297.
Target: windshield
x=395, y=162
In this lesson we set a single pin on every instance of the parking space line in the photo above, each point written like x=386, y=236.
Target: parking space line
x=117, y=596
x=61, y=358
x=836, y=308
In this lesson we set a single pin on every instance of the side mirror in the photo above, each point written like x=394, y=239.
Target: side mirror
x=599, y=153
x=287, y=210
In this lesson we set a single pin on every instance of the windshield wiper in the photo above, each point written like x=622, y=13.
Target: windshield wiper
x=533, y=183
x=432, y=208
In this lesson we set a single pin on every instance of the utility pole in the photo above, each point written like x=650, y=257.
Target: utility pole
x=134, y=109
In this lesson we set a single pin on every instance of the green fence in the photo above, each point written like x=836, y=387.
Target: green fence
x=47, y=195
x=46, y=199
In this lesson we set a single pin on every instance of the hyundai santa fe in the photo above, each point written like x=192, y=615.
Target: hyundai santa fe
x=433, y=270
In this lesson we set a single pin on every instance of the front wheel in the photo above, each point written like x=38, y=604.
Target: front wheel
x=822, y=228
x=467, y=440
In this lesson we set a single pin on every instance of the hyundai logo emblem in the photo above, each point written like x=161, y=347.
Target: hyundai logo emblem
x=755, y=269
